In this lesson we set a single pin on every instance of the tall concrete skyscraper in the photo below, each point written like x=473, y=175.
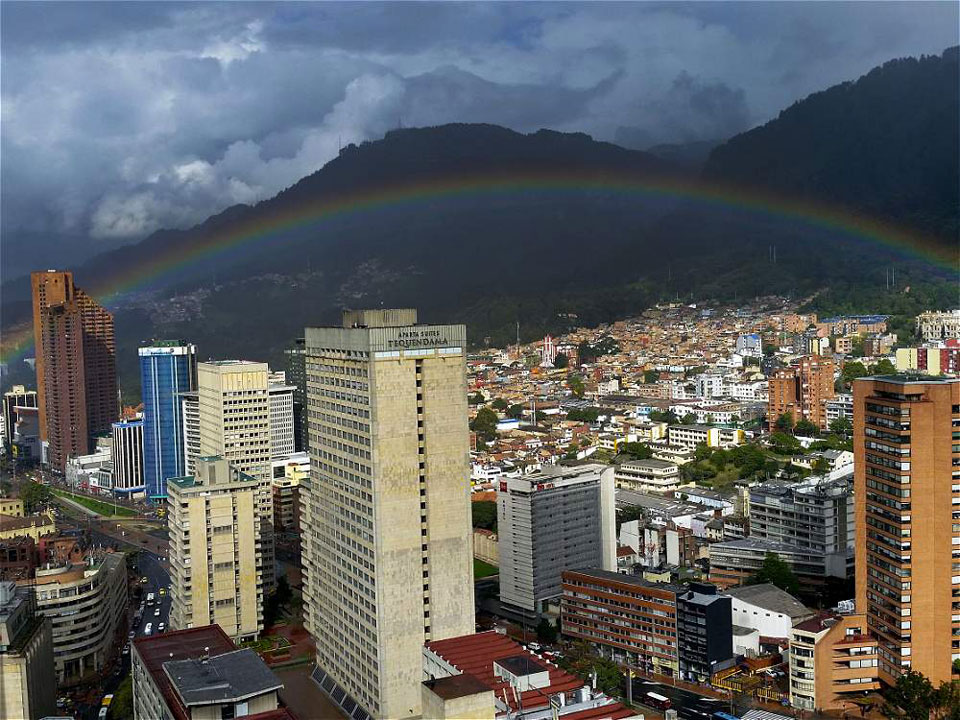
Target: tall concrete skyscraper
x=215, y=561
x=907, y=497
x=75, y=365
x=166, y=370
x=234, y=412
x=387, y=548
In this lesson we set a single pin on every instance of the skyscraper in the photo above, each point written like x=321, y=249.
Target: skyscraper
x=907, y=494
x=387, y=548
x=802, y=391
x=215, y=564
x=126, y=451
x=17, y=396
x=282, y=430
x=297, y=376
x=234, y=412
x=166, y=370
x=75, y=365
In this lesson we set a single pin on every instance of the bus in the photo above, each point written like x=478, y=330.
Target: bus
x=724, y=716
x=657, y=701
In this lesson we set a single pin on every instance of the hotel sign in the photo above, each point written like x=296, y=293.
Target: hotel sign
x=418, y=337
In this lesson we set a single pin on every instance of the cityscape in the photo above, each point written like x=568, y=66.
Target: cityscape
x=466, y=422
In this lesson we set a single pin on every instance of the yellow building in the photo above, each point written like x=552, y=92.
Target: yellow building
x=387, y=555
x=11, y=507
x=215, y=555
x=34, y=526
x=26, y=657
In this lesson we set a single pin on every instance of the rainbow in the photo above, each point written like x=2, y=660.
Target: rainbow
x=17, y=341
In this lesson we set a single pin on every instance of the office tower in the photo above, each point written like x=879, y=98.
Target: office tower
x=199, y=673
x=17, y=396
x=801, y=390
x=234, y=413
x=216, y=567
x=297, y=376
x=558, y=519
x=907, y=491
x=386, y=520
x=166, y=370
x=26, y=657
x=75, y=365
x=190, y=412
x=282, y=431
x=126, y=453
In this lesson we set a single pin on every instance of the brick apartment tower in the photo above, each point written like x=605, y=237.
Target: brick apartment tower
x=75, y=365
x=907, y=500
x=801, y=389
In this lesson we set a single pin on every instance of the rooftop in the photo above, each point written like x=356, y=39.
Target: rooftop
x=233, y=676
x=769, y=597
x=456, y=686
x=634, y=580
x=652, y=464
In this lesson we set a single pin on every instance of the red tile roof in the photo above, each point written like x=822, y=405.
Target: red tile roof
x=475, y=654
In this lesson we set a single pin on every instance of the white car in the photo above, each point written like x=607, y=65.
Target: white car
x=156, y=613
x=148, y=630
x=161, y=627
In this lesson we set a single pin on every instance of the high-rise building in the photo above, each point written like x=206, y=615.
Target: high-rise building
x=282, y=431
x=75, y=366
x=297, y=376
x=704, y=631
x=26, y=657
x=386, y=520
x=17, y=396
x=126, y=453
x=907, y=491
x=216, y=566
x=802, y=391
x=234, y=413
x=558, y=519
x=166, y=370
x=190, y=411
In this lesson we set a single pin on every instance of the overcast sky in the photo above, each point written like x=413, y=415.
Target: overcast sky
x=118, y=119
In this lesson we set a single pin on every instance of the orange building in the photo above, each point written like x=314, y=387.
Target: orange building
x=801, y=390
x=907, y=490
x=75, y=365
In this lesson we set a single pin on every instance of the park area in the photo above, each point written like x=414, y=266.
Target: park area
x=98, y=506
x=483, y=569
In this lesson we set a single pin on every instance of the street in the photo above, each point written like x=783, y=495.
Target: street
x=689, y=705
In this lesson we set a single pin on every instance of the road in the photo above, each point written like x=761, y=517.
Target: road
x=689, y=705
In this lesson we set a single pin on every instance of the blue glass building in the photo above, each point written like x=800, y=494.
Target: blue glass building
x=166, y=370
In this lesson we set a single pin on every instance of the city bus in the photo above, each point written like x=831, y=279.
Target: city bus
x=724, y=716
x=657, y=701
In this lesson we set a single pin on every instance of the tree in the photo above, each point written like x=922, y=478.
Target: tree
x=666, y=416
x=583, y=414
x=499, y=404
x=883, y=367
x=484, y=514
x=35, y=496
x=122, y=706
x=784, y=444
x=852, y=370
x=774, y=570
x=475, y=399
x=651, y=376
x=575, y=382
x=912, y=698
x=841, y=426
x=689, y=419
x=561, y=361
x=821, y=466
x=806, y=428
x=636, y=450
x=546, y=632
x=515, y=412
x=785, y=422
x=485, y=424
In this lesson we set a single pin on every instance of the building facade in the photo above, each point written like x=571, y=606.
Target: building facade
x=297, y=376
x=907, y=488
x=643, y=475
x=190, y=410
x=166, y=370
x=387, y=405
x=26, y=657
x=216, y=564
x=801, y=391
x=704, y=632
x=17, y=396
x=234, y=423
x=126, y=452
x=549, y=521
x=282, y=430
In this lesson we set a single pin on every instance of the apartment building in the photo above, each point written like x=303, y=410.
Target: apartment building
x=907, y=488
x=930, y=360
x=17, y=396
x=934, y=325
x=689, y=436
x=199, y=674
x=839, y=407
x=85, y=603
x=386, y=537
x=11, y=507
x=833, y=661
x=234, y=422
x=216, y=565
x=288, y=474
x=644, y=475
x=628, y=619
x=802, y=391
x=26, y=657
x=549, y=521
x=282, y=431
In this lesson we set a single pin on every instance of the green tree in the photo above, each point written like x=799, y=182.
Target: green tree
x=883, y=367
x=784, y=444
x=485, y=424
x=475, y=399
x=583, y=414
x=821, y=466
x=912, y=698
x=515, y=412
x=484, y=514
x=852, y=370
x=651, y=376
x=702, y=452
x=35, y=496
x=122, y=706
x=500, y=404
x=806, y=428
x=689, y=419
x=666, y=416
x=785, y=422
x=546, y=632
x=774, y=570
x=575, y=383
x=561, y=361
x=841, y=426
x=636, y=450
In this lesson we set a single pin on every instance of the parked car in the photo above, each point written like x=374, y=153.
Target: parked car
x=156, y=613
x=161, y=628
x=148, y=630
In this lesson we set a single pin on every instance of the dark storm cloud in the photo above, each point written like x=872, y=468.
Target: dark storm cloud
x=120, y=118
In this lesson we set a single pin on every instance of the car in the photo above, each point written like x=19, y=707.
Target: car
x=103, y=713
x=156, y=613
x=150, y=598
x=144, y=580
x=131, y=635
x=107, y=699
x=162, y=591
x=148, y=630
x=161, y=627
x=126, y=649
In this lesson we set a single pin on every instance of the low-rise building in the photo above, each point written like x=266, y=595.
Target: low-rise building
x=689, y=436
x=26, y=657
x=733, y=562
x=770, y=611
x=31, y=526
x=11, y=507
x=85, y=604
x=649, y=474
x=833, y=661
x=199, y=674
x=704, y=632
